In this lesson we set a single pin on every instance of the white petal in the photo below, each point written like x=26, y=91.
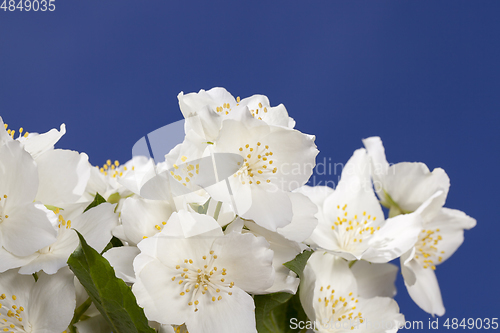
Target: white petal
x=52, y=302
x=451, y=224
x=28, y=229
x=381, y=315
x=318, y=195
x=36, y=144
x=205, y=125
x=241, y=194
x=63, y=176
x=9, y=261
x=144, y=170
x=425, y=292
x=122, y=259
x=95, y=324
x=191, y=103
x=236, y=226
x=50, y=263
x=303, y=221
x=18, y=176
x=398, y=235
x=284, y=251
x=355, y=189
x=261, y=109
x=140, y=216
x=375, y=279
x=411, y=184
x=306, y=291
x=270, y=210
x=159, y=296
x=406, y=271
x=253, y=274
x=231, y=314
x=332, y=270
x=380, y=167
x=12, y=283
x=96, y=225
x=185, y=225
x=158, y=187
x=295, y=155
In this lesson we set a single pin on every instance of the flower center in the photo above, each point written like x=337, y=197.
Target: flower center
x=113, y=169
x=225, y=108
x=255, y=112
x=180, y=329
x=62, y=223
x=13, y=132
x=335, y=309
x=10, y=314
x=257, y=164
x=158, y=228
x=186, y=172
x=202, y=278
x=352, y=230
x=427, y=252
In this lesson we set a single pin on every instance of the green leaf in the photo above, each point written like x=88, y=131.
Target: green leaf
x=111, y=296
x=274, y=312
x=97, y=201
x=114, y=242
x=298, y=264
x=267, y=319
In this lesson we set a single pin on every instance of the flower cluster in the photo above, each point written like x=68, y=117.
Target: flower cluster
x=220, y=234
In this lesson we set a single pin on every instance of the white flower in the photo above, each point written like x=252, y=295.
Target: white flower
x=330, y=297
x=25, y=226
x=63, y=174
x=406, y=187
x=115, y=181
x=43, y=307
x=276, y=160
x=202, y=281
x=222, y=103
x=441, y=236
x=178, y=179
x=34, y=143
x=403, y=187
x=95, y=225
x=353, y=225
x=142, y=218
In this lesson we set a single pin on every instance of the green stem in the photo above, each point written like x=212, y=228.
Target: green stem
x=351, y=263
x=394, y=209
x=35, y=276
x=78, y=313
x=217, y=210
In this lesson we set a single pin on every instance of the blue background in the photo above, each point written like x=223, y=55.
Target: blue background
x=423, y=75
